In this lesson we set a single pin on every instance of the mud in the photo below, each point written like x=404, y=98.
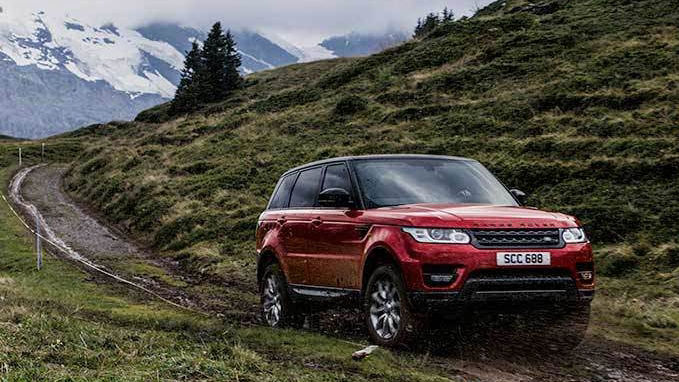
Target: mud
x=596, y=359
x=87, y=239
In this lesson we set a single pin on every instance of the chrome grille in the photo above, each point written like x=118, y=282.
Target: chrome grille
x=517, y=238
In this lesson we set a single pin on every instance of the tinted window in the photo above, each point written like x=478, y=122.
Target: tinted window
x=306, y=188
x=337, y=176
x=282, y=195
x=411, y=181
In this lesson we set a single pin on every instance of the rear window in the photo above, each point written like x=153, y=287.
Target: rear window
x=282, y=196
x=306, y=188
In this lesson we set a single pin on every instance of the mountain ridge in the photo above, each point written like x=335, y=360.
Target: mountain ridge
x=61, y=73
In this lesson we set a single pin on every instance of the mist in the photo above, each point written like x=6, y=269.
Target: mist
x=303, y=22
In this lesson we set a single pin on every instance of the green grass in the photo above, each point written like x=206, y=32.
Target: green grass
x=56, y=324
x=638, y=295
x=577, y=107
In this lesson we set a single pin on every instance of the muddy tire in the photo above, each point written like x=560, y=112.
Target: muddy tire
x=388, y=316
x=277, y=309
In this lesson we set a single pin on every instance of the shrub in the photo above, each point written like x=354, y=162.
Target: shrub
x=616, y=264
x=350, y=104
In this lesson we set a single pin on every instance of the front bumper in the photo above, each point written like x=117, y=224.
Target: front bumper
x=503, y=293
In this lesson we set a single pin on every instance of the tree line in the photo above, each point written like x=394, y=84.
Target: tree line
x=210, y=72
x=432, y=21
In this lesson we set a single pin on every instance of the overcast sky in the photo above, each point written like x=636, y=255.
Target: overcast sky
x=303, y=22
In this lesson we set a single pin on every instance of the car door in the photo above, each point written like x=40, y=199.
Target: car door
x=298, y=218
x=278, y=208
x=337, y=247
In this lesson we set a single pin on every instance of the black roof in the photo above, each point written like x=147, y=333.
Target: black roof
x=379, y=156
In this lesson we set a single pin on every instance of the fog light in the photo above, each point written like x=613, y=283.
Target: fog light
x=443, y=279
x=586, y=276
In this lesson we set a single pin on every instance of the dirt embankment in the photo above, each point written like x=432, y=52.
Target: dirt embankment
x=40, y=190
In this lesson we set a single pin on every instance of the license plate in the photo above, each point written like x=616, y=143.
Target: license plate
x=523, y=258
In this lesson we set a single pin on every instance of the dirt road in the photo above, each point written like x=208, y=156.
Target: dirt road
x=596, y=360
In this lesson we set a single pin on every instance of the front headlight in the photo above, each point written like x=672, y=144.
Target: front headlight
x=438, y=235
x=574, y=235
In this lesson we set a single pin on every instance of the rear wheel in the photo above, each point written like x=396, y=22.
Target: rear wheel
x=387, y=312
x=277, y=307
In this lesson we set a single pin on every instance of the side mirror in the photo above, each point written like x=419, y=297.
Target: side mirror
x=335, y=197
x=519, y=195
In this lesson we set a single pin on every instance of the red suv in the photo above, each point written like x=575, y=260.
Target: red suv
x=411, y=236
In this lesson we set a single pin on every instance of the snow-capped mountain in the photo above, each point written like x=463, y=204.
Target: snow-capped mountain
x=121, y=58
x=58, y=73
x=358, y=44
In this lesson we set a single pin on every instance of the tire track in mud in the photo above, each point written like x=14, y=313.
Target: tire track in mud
x=58, y=244
x=82, y=238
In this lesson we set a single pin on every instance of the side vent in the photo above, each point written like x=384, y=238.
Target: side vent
x=362, y=230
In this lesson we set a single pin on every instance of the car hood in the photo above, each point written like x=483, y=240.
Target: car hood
x=469, y=216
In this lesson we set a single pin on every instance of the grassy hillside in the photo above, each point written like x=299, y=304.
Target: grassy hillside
x=574, y=102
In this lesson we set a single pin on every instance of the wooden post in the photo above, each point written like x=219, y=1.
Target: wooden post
x=42, y=153
x=19, y=156
x=38, y=243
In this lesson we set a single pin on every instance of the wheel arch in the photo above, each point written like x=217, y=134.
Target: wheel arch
x=266, y=257
x=379, y=255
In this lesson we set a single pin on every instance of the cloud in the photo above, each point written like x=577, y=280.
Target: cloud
x=301, y=21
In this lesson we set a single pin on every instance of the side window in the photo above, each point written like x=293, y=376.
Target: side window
x=282, y=195
x=306, y=188
x=337, y=176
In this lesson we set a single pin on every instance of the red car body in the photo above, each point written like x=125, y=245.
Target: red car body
x=327, y=253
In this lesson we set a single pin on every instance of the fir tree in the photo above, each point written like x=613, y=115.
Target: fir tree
x=233, y=62
x=448, y=15
x=220, y=66
x=187, y=97
x=430, y=22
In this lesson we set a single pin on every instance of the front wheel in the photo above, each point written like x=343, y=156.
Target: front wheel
x=387, y=312
x=277, y=308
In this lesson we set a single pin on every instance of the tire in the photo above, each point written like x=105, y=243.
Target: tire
x=388, y=315
x=277, y=309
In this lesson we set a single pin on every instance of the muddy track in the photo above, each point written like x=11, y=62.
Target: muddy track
x=82, y=238
x=40, y=191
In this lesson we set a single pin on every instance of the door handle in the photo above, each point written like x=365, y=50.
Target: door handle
x=316, y=221
x=281, y=220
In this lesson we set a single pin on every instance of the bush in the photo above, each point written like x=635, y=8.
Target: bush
x=350, y=104
x=616, y=264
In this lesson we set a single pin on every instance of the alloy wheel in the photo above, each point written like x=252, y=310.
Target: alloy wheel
x=271, y=301
x=385, y=309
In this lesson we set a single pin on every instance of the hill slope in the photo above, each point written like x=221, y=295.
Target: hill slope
x=574, y=102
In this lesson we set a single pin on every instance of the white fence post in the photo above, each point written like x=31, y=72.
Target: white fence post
x=19, y=156
x=38, y=243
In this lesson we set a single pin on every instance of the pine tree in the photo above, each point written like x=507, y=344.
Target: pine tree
x=448, y=15
x=418, y=28
x=220, y=66
x=187, y=97
x=233, y=62
x=430, y=22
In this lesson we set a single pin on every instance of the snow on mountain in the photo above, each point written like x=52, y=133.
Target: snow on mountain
x=303, y=54
x=316, y=53
x=116, y=56
x=357, y=44
x=58, y=73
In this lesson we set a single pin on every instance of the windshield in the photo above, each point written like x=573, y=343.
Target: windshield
x=392, y=182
